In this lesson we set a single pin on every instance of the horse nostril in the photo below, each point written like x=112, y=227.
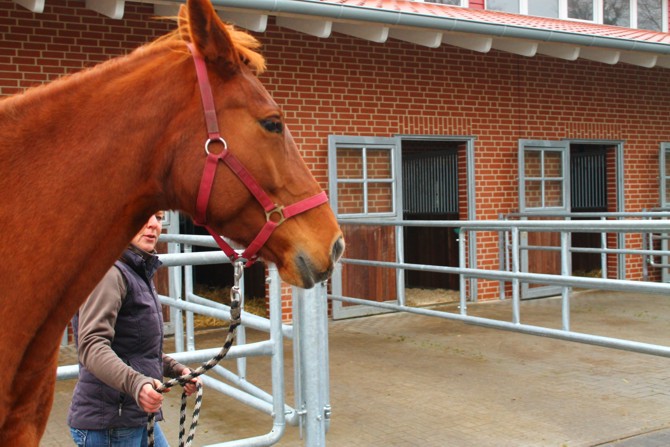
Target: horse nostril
x=338, y=249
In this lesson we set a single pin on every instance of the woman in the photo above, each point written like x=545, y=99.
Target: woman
x=119, y=335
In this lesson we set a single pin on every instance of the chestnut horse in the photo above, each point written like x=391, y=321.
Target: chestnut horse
x=87, y=159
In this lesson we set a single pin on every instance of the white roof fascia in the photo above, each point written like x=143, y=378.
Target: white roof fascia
x=319, y=19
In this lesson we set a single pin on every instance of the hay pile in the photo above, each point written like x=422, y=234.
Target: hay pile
x=254, y=305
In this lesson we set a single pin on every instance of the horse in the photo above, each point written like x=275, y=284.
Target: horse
x=88, y=158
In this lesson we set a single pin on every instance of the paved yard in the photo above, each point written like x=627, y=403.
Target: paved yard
x=406, y=380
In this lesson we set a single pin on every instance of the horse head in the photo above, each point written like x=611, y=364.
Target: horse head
x=253, y=133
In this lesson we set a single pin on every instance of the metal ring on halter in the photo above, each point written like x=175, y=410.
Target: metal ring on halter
x=221, y=140
x=278, y=209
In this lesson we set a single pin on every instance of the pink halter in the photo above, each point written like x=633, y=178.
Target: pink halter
x=283, y=212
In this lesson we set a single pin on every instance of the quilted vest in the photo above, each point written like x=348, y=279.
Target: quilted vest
x=138, y=341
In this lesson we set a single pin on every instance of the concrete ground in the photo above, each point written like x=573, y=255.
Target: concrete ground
x=406, y=380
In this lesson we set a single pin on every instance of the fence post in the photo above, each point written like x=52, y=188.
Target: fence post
x=310, y=320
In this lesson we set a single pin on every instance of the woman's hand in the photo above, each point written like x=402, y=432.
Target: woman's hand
x=191, y=387
x=150, y=400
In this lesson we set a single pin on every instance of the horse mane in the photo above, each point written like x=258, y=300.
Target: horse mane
x=246, y=45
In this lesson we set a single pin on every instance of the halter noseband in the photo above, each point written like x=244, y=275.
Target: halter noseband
x=272, y=211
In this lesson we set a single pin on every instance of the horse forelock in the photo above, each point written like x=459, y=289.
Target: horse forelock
x=245, y=44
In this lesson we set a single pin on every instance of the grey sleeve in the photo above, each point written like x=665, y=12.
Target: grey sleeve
x=171, y=367
x=97, y=319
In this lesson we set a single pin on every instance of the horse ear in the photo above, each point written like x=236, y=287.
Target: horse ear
x=182, y=20
x=210, y=35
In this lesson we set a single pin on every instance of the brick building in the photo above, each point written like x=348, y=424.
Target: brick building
x=502, y=99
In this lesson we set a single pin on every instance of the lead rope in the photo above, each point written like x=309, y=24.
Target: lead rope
x=235, y=310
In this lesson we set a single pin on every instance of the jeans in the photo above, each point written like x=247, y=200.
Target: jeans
x=117, y=437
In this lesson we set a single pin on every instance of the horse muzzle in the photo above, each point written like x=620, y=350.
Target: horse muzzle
x=310, y=274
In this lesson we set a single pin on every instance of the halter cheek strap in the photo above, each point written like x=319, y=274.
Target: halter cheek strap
x=275, y=214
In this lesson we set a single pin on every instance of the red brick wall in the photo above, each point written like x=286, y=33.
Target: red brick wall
x=37, y=48
x=348, y=86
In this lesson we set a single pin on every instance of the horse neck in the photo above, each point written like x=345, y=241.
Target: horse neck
x=86, y=154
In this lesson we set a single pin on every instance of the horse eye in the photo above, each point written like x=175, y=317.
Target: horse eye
x=272, y=126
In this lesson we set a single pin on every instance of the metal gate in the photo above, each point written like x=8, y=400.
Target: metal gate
x=310, y=351
x=588, y=181
x=634, y=224
x=430, y=182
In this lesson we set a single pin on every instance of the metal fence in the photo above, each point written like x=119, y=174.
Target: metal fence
x=647, y=225
x=309, y=329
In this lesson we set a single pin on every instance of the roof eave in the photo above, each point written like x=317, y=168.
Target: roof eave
x=357, y=13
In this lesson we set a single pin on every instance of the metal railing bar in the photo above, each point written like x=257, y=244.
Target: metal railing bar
x=289, y=412
x=607, y=342
x=578, y=226
x=535, y=278
x=597, y=215
x=190, y=239
x=627, y=251
x=249, y=320
x=258, y=349
x=239, y=395
x=193, y=258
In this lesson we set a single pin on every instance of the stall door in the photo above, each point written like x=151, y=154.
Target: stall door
x=543, y=189
x=364, y=188
x=665, y=205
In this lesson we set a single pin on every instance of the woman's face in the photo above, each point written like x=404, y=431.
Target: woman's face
x=147, y=237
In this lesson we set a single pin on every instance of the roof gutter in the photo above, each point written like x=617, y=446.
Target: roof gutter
x=336, y=11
